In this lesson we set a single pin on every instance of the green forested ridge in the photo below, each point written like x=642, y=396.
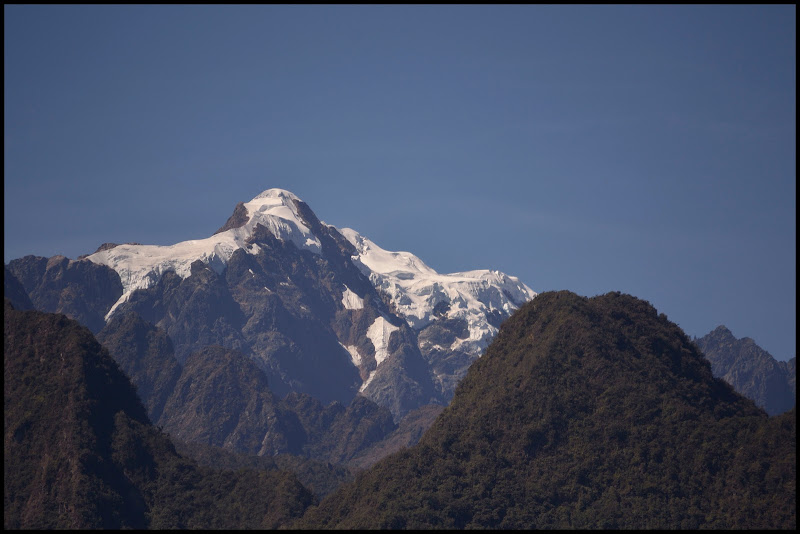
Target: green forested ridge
x=319, y=477
x=80, y=452
x=322, y=478
x=584, y=413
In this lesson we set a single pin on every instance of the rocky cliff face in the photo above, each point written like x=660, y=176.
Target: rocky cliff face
x=288, y=310
x=81, y=290
x=222, y=399
x=751, y=370
x=145, y=353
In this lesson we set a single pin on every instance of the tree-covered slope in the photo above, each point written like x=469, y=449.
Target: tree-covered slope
x=80, y=452
x=584, y=413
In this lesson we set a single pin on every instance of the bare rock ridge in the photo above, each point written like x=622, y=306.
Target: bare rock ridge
x=236, y=220
x=751, y=370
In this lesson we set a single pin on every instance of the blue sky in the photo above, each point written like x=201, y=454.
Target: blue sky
x=642, y=149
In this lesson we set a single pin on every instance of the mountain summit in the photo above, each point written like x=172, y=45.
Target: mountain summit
x=141, y=266
x=751, y=370
x=322, y=311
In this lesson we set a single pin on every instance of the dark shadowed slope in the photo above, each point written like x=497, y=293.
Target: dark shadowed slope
x=80, y=452
x=15, y=292
x=145, y=353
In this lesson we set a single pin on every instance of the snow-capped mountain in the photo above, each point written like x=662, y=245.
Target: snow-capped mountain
x=455, y=315
x=421, y=295
x=141, y=266
x=322, y=311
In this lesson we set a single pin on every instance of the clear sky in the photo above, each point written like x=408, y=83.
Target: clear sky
x=642, y=149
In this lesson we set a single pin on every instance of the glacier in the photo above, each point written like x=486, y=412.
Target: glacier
x=418, y=291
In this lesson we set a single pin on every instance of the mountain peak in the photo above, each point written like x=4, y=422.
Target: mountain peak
x=277, y=210
x=276, y=192
x=750, y=369
x=141, y=266
x=722, y=330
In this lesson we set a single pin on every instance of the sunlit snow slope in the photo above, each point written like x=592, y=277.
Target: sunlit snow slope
x=421, y=294
x=141, y=266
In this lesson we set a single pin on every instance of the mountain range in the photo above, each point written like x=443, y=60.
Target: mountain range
x=261, y=337
x=320, y=311
x=304, y=347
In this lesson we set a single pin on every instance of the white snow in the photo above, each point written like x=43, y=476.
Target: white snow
x=355, y=356
x=416, y=289
x=351, y=301
x=379, y=333
x=141, y=266
x=366, y=382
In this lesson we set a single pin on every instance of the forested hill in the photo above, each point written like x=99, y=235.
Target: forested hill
x=80, y=452
x=584, y=413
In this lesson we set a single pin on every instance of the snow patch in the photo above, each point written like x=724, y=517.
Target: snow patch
x=351, y=301
x=379, y=333
x=355, y=356
x=366, y=382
